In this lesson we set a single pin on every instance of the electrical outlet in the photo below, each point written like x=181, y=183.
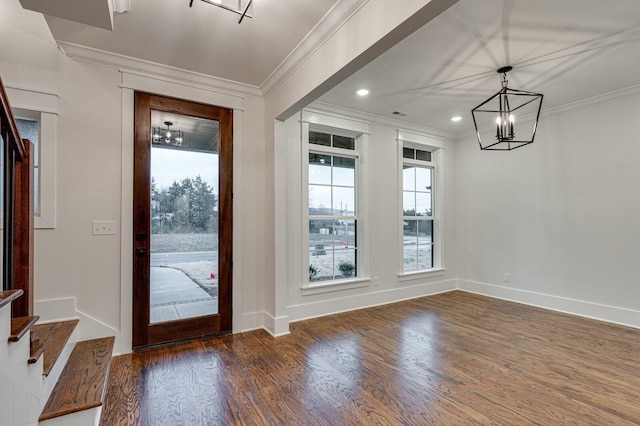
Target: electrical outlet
x=104, y=227
x=507, y=277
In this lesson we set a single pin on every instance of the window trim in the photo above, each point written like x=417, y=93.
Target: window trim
x=33, y=104
x=362, y=279
x=429, y=165
x=436, y=147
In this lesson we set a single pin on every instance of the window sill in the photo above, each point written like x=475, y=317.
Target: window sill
x=335, y=286
x=418, y=275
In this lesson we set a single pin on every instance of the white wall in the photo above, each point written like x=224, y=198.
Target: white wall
x=380, y=215
x=562, y=215
x=372, y=27
x=86, y=275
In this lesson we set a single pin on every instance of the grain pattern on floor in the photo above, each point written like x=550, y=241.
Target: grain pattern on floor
x=454, y=358
x=83, y=382
x=53, y=338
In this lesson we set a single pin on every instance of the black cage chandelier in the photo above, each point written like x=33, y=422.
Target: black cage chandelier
x=501, y=121
x=167, y=136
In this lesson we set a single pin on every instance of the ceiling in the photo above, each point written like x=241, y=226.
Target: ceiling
x=569, y=50
x=203, y=38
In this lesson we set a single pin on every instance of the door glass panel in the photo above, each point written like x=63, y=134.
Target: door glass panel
x=184, y=217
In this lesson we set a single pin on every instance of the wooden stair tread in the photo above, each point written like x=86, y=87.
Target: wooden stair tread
x=20, y=326
x=7, y=297
x=53, y=338
x=36, y=353
x=83, y=382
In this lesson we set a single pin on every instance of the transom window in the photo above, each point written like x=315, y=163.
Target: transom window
x=417, y=210
x=416, y=154
x=333, y=209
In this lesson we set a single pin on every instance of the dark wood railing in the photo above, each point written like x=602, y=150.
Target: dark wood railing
x=17, y=209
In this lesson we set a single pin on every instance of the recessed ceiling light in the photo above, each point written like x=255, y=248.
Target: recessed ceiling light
x=362, y=92
x=456, y=118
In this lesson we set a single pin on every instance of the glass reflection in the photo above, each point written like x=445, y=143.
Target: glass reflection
x=184, y=217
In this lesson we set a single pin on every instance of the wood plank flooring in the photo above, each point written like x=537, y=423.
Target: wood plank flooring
x=450, y=359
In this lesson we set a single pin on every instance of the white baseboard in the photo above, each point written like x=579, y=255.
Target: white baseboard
x=88, y=328
x=249, y=322
x=612, y=314
x=361, y=301
x=55, y=309
x=276, y=326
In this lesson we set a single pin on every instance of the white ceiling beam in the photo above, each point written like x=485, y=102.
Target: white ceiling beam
x=96, y=13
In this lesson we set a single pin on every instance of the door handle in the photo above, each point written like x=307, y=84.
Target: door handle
x=141, y=251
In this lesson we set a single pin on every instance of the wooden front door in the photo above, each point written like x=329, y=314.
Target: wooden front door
x=182, y=209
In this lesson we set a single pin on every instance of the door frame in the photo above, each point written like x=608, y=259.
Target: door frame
x=146, y=334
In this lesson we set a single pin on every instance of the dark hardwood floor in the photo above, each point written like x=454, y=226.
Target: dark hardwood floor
x=450, y=359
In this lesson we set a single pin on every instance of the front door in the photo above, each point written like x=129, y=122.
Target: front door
x=182, y=210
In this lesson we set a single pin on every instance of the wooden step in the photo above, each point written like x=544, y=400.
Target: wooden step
x=7, y=297
x=37, y=348
x=83, y=382
x=20, y=326
x=53, y=338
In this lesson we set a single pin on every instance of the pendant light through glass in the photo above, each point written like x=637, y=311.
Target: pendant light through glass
x=167, y=136
x=508, y=119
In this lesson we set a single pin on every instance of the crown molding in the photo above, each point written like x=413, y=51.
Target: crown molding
x=331, y=22
x=147, y=68
x=339, y=111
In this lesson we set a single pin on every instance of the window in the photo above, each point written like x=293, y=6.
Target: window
x=418, y=239
x=36, y=115
x=333, y=207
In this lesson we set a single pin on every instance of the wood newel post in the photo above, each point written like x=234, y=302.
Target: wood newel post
x=23, y=233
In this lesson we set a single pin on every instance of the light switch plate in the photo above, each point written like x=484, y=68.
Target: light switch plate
x=104, y=227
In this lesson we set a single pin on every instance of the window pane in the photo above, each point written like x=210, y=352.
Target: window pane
x=346, y=264
x=318, y=270
x=409, y=203
x=344, y=201
x=410, y=257
x=320, y=169
x=408, y=153
x=425, y=257
x=409, y=247
x=425, y=231
x=320, y=250
x=345, y=233
x=319, y=200
x=423, y=204
x=30, y=129
x=36, y=191
x=423, y=155
x=408, y=178
x=423, y=179
x=320, y=232
x=410, y=232
x=344, y=171
x=318, y=138
x=343, y=142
